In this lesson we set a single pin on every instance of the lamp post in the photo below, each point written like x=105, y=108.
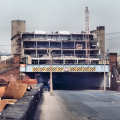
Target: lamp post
x=51, y=78
x=104, y=74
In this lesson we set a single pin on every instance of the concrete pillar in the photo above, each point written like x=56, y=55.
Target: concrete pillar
x=113, y=60
x=109, y=80
x=22, y=48
x=36, y=51
x=101, y=39
x=77, y=61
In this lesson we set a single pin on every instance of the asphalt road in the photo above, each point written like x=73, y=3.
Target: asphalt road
x=80, y=105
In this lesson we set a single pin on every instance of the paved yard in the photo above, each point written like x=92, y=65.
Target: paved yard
x=80, y=105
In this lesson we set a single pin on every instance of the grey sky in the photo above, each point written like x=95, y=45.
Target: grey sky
x=52, y=15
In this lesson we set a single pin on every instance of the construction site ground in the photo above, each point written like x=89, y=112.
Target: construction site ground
x=80, y=105
x=65, y=105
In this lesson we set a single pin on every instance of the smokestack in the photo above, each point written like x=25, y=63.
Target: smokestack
x=17, y=26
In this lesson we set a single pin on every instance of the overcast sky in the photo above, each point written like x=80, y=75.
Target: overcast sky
x=53, y=15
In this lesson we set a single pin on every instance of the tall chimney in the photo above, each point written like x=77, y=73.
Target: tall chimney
x=17, y=26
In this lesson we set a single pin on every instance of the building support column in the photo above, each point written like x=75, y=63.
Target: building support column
x=109, y=80
x=74, y=47
x=104, y=75
x=77, y=61
x=36, y=50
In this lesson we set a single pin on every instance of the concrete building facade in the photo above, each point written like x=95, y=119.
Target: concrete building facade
x=63, y=46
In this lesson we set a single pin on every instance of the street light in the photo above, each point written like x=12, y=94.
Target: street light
x=51, y=78
x=104, y=74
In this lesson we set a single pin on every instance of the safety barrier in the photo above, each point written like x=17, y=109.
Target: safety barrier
x=64, y=68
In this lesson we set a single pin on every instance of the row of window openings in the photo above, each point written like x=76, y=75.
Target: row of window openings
x=62, y=54
x=59, y=46
x=59, y=51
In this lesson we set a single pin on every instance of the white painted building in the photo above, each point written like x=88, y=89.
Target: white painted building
x=5, y=57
